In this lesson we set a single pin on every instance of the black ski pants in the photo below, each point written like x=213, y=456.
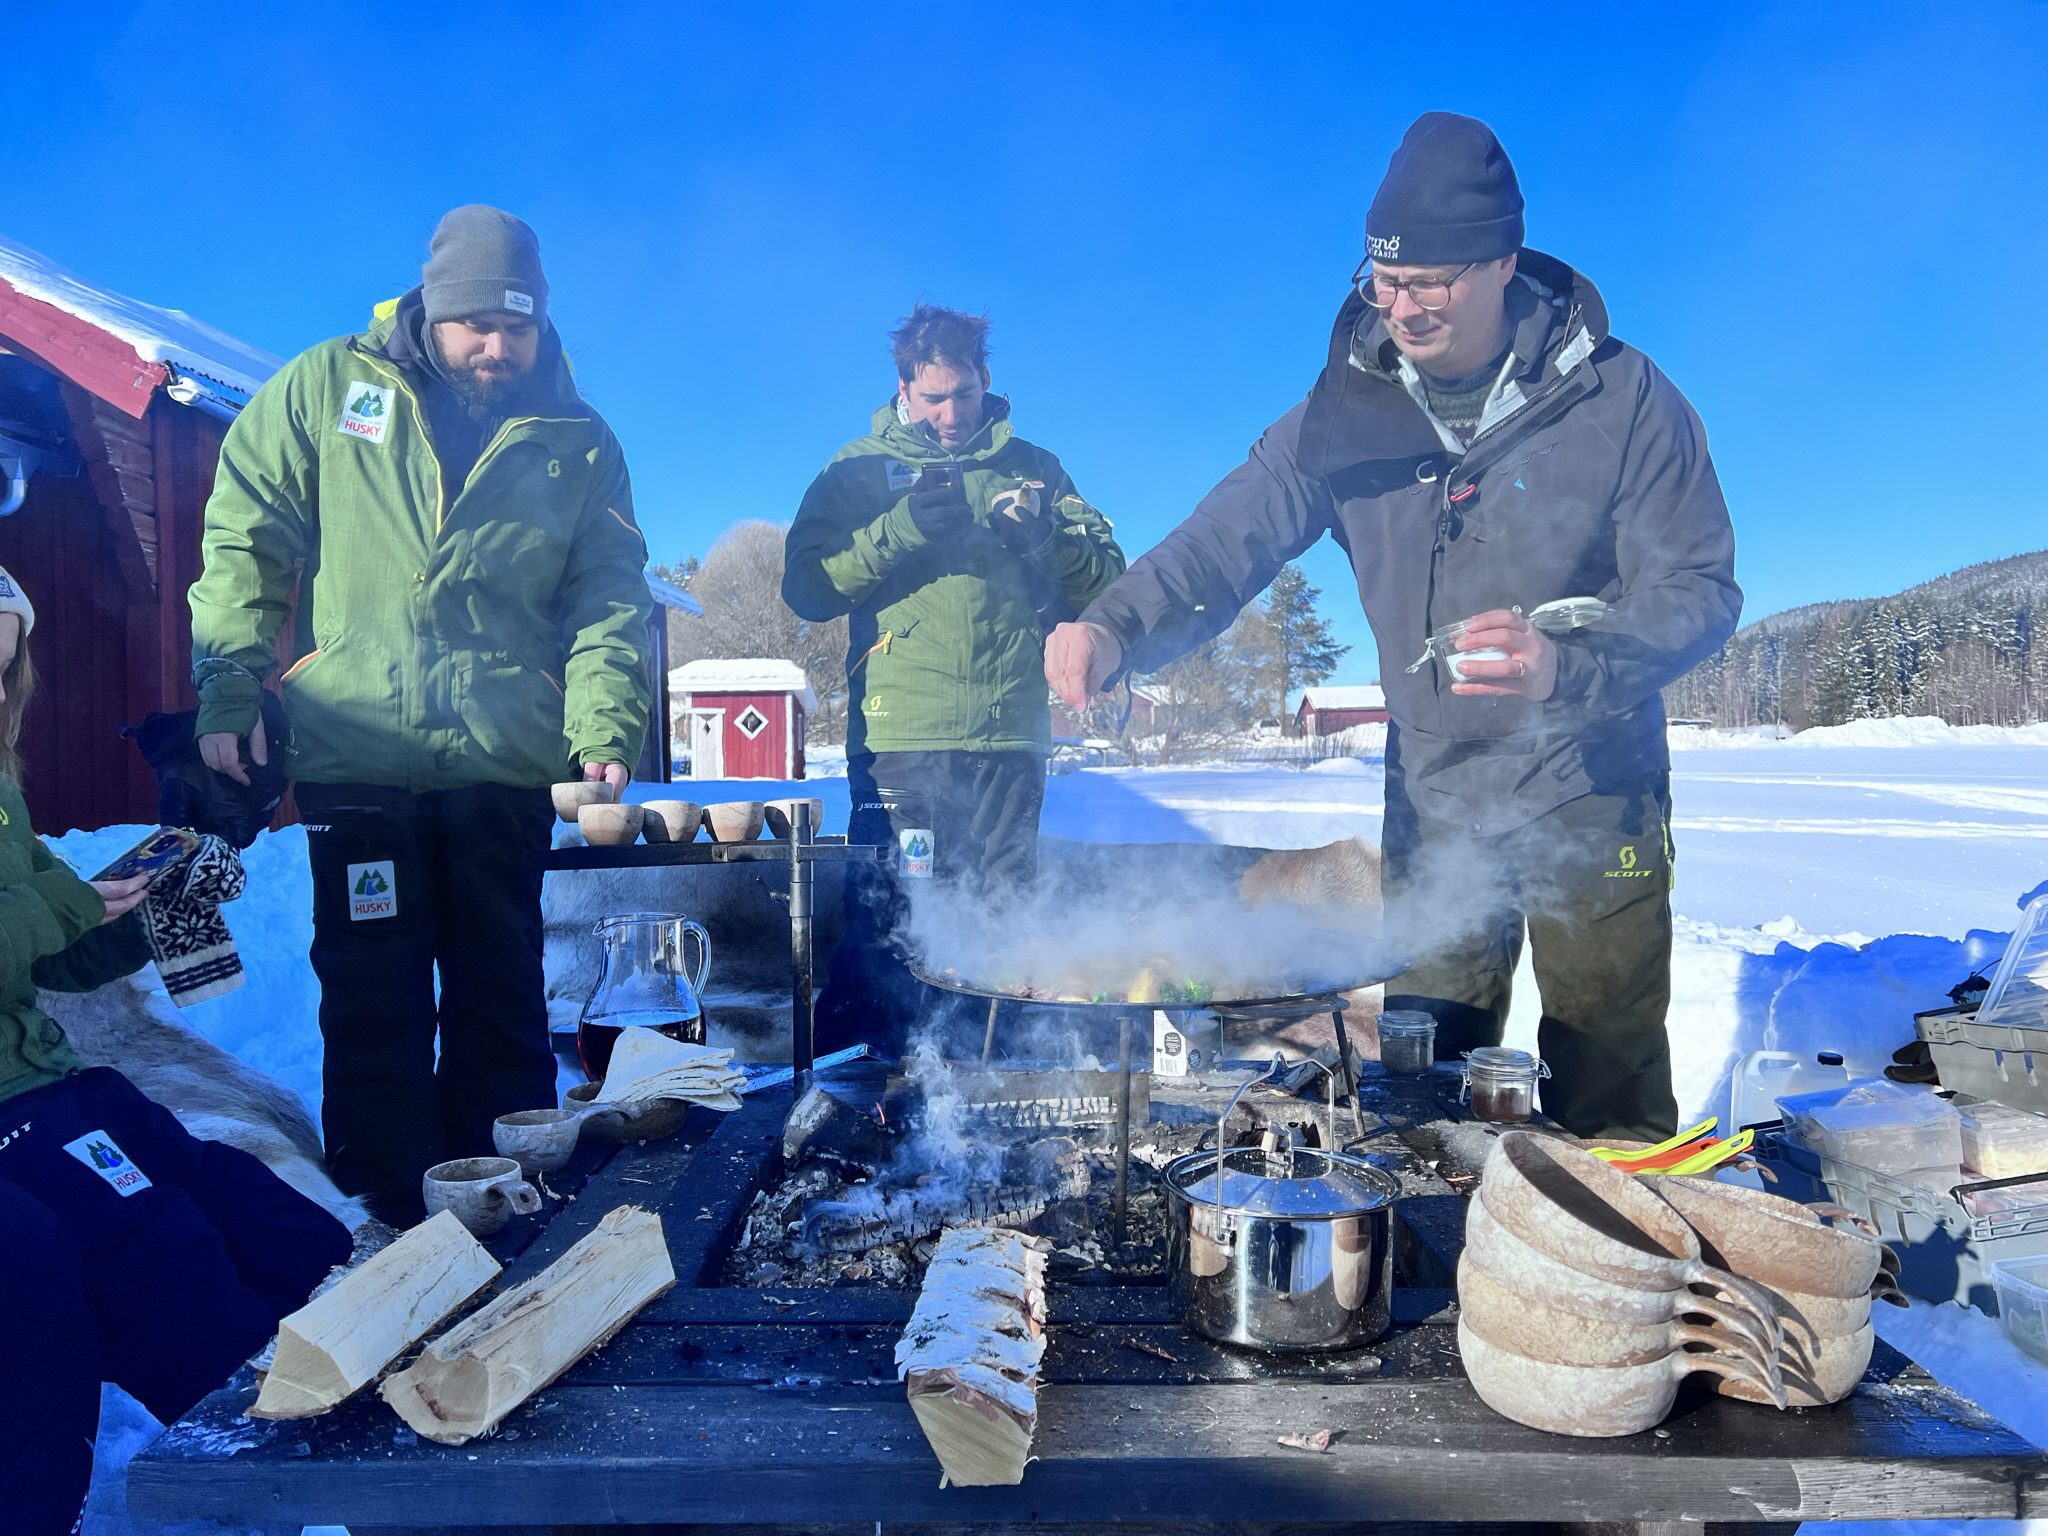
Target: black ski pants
x=1590, y=884
x=405, y=887
x=153, y=1259
x=982, y=809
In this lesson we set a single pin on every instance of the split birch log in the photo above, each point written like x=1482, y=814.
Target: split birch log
x=466, y=1381
x=647, y=1065
x=338, y=1342
x=970, y=1356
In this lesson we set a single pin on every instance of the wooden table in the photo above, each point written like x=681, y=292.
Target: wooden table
x=729, y=1406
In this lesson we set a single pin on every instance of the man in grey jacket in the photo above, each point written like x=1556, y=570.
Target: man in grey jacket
x=1481, y=447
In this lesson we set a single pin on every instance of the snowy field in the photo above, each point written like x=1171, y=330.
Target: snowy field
x=1827, y=887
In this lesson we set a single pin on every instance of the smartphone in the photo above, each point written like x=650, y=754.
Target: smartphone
x=939, y=477
x=156, y=853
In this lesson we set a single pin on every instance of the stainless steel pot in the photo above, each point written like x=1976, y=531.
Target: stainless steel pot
x=1288, y=1249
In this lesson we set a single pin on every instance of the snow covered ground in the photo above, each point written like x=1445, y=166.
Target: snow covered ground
x=1828, y=886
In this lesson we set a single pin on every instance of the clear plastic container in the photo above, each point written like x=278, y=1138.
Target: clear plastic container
x=2001, y=1142
x=1500, y=1083
x=2022, y=1286
x=1761, y=1078
x=2018, y=995
x=1407, y=1042
x=1896, y=1128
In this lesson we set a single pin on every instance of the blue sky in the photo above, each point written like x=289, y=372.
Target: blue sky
x=1158, y=204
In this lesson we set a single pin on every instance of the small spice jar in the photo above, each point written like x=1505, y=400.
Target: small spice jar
x=1407, y=1042
x=1501, y=1083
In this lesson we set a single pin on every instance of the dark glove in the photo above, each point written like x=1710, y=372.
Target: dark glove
x=1019, y=519
x=940, y=513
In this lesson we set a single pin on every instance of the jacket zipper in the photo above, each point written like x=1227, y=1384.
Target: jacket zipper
x=293, y=670
x=420, y=419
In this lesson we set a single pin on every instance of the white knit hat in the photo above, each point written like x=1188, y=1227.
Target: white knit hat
x=14, y=600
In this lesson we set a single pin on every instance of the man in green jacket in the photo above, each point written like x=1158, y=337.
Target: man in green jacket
x=471, y=626
x=953, y=544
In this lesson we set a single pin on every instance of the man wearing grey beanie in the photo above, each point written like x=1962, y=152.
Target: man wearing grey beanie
x=1534, y=521
x=470, y=627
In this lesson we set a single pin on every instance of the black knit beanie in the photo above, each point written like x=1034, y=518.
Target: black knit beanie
x=483, y=259
x=1449, y=197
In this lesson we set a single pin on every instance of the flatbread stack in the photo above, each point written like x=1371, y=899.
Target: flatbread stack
x=647, y=1065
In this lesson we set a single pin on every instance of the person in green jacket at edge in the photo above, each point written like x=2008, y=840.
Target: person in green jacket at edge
x=131, y=1251
x=954, y=545
x=471, y=626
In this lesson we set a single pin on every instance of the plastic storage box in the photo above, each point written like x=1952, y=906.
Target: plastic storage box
x=2004, y=1063
x=1947, y=1242
x=1887, y=1127
x=2022, y=1286
x=2001, y=1142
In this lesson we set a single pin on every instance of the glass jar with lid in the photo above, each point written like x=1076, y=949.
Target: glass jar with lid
x=1500, y=1083
x=1407, y=1042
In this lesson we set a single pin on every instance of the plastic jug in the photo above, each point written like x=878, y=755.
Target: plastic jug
x=1761, y=1078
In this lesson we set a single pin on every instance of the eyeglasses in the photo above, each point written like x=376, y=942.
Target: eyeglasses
x=1430, y=293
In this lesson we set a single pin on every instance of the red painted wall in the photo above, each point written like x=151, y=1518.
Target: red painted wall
x=766, y=756
x=1327, y=722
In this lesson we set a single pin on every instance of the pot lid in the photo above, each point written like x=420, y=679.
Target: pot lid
x=1256, y=1183
x=1501, y=1058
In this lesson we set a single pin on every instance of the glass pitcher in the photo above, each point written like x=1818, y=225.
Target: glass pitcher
x=643, y=982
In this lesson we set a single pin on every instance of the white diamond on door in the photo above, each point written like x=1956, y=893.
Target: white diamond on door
x=752, y=723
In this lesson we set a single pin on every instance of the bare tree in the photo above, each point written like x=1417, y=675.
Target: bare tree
x=1219, y=688
x=739, y=583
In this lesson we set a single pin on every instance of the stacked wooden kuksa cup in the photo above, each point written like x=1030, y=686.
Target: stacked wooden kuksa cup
x=1585, y=1298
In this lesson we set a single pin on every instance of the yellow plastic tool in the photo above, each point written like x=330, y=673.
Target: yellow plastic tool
x=1713, y=1156
x=1643, y=1154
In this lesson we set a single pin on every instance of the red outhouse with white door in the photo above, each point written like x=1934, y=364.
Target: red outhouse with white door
x=742, y=719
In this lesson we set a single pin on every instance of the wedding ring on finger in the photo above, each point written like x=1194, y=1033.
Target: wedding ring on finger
x=1521, y=667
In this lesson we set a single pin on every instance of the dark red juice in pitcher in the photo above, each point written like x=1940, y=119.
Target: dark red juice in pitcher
x=595, y=1042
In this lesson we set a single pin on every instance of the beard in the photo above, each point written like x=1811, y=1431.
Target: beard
x=485, y=383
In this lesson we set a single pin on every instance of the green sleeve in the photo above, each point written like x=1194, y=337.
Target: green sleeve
x=1079, y=555
x=42, y=916
x=259, y=524
x=606, y=608
x=102, y=954
x=836, y=556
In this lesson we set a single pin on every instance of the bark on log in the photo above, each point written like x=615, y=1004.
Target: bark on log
x=970, y=1356
x=466, y=1381
x=337, y=1342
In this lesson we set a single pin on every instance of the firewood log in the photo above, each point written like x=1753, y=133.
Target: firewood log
x=338, y=1342
x=466, y=1381
x=970, y=1357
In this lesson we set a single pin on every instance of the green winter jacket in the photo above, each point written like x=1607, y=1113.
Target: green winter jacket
x=50, y=936
x=947, y=641
x=497, y=635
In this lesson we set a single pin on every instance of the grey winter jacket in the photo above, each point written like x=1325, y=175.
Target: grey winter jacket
x=1589, y=476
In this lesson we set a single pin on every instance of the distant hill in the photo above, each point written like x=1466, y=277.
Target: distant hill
x=1962, y=647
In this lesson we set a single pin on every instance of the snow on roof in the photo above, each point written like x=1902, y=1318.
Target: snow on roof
x=751, y=674
x=669, y=595
x=168, y=336
x=1359, y=696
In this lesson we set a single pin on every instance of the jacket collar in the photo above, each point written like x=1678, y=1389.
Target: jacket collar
x=396, y=333
x=916, y=441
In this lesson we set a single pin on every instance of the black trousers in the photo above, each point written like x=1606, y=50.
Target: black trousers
x=1590, y=884
x=406, y=886
x=151, y=1258
x=982, y=809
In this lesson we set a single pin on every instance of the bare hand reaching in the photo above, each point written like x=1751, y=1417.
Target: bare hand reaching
x=121, y=896
x=1078, y=659
x=614, y=774
x=1528, y=672
x=222, y=752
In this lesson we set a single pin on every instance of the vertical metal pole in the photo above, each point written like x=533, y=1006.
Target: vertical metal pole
x=1123, y=1124
x=988, y=1035
x=802, y=963
x=1344, y=1071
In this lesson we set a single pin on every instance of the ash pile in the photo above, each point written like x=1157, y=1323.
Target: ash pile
x=867, y=1191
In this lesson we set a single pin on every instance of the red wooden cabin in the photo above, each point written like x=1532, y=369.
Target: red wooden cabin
x=742, y=719
x=111, y=419
x=1324, y=711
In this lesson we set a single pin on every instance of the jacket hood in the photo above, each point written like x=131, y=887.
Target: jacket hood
x=1548, y=304
x=550, y=385
x=907, y=440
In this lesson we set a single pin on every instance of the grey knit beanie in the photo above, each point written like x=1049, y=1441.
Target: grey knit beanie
x=482, y=258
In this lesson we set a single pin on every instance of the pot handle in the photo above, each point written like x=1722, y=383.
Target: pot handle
x=1721, y=1362
x=1841, y=1213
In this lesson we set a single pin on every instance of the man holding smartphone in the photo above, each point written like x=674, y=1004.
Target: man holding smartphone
x=953, y=544
x=471, y=626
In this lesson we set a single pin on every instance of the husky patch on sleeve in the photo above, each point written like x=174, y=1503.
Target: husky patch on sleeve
x=365, y=411
x=96, y=1149
x=372, y=891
